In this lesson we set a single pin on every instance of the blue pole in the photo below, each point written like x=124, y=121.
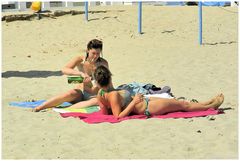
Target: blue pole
x=200, y=22
x=86, y=10
x=140, y=17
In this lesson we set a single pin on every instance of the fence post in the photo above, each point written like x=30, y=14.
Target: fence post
x=86, y=10
x=200, y=22
x=140, y=17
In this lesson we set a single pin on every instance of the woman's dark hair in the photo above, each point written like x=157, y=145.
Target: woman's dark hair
x=102, y=75
x=94, y=44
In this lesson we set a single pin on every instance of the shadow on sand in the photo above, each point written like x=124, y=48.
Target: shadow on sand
x=219, y=43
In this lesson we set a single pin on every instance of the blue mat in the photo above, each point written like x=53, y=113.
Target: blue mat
x=217, y=3
x=176, y=3
x=35, y=104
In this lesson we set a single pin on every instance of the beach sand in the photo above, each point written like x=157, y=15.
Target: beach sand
x=167, y=53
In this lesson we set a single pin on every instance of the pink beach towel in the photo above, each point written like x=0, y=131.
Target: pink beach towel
x=98, y=117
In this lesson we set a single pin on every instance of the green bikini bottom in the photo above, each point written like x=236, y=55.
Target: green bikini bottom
x=146, y=112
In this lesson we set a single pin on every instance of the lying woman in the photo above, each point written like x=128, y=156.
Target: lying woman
x=121, y=104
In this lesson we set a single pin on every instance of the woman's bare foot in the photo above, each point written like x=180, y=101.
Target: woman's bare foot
x=36, y=109
x=218, y=101
x=210, y=101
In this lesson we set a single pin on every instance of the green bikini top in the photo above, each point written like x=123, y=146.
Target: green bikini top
x=102, y=92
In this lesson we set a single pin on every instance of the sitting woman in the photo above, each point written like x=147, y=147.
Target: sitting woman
x=121, y=104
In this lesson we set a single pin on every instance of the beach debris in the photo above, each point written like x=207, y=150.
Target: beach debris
x=29, y=56
x=105, y=17
x=191, y=120
x=226, y=108
x=168, y=31
x=92, y=12
x=109, y=17
x=11, y=18
x=48, y=14
x=31, y=100
x=181, y=98
x=211, y=118
x=230, y=42
x=73, y=12
x=194, y=100
x=199, y=131
x=22, y=17
x=60, y=13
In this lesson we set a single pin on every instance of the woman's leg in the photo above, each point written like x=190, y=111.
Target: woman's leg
x=210, y=101
x=82, y=104
x=162, y=106
x=72, y=95
x=214, y=104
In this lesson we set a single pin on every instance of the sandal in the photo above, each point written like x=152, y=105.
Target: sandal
x=181, y=98
x=194, y=100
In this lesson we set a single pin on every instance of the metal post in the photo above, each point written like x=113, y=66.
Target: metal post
x=140, y=17
x=200, y=22
x=86, y=10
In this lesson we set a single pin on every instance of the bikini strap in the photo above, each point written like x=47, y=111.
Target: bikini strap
x=102, y=92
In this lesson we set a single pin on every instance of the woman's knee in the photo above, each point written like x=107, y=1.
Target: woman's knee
x=74, y=93
x=185, y=105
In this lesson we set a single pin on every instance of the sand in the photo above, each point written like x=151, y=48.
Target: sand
x=167, y=53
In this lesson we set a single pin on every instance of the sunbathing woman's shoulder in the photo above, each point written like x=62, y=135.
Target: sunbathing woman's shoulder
x=113, y=94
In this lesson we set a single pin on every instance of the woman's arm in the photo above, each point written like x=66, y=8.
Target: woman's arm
x=69, y=68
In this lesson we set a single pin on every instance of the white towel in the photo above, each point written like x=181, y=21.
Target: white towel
x=162, y=95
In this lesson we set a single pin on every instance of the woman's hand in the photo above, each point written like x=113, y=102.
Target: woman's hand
x=138, y=98
x=87, y=78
